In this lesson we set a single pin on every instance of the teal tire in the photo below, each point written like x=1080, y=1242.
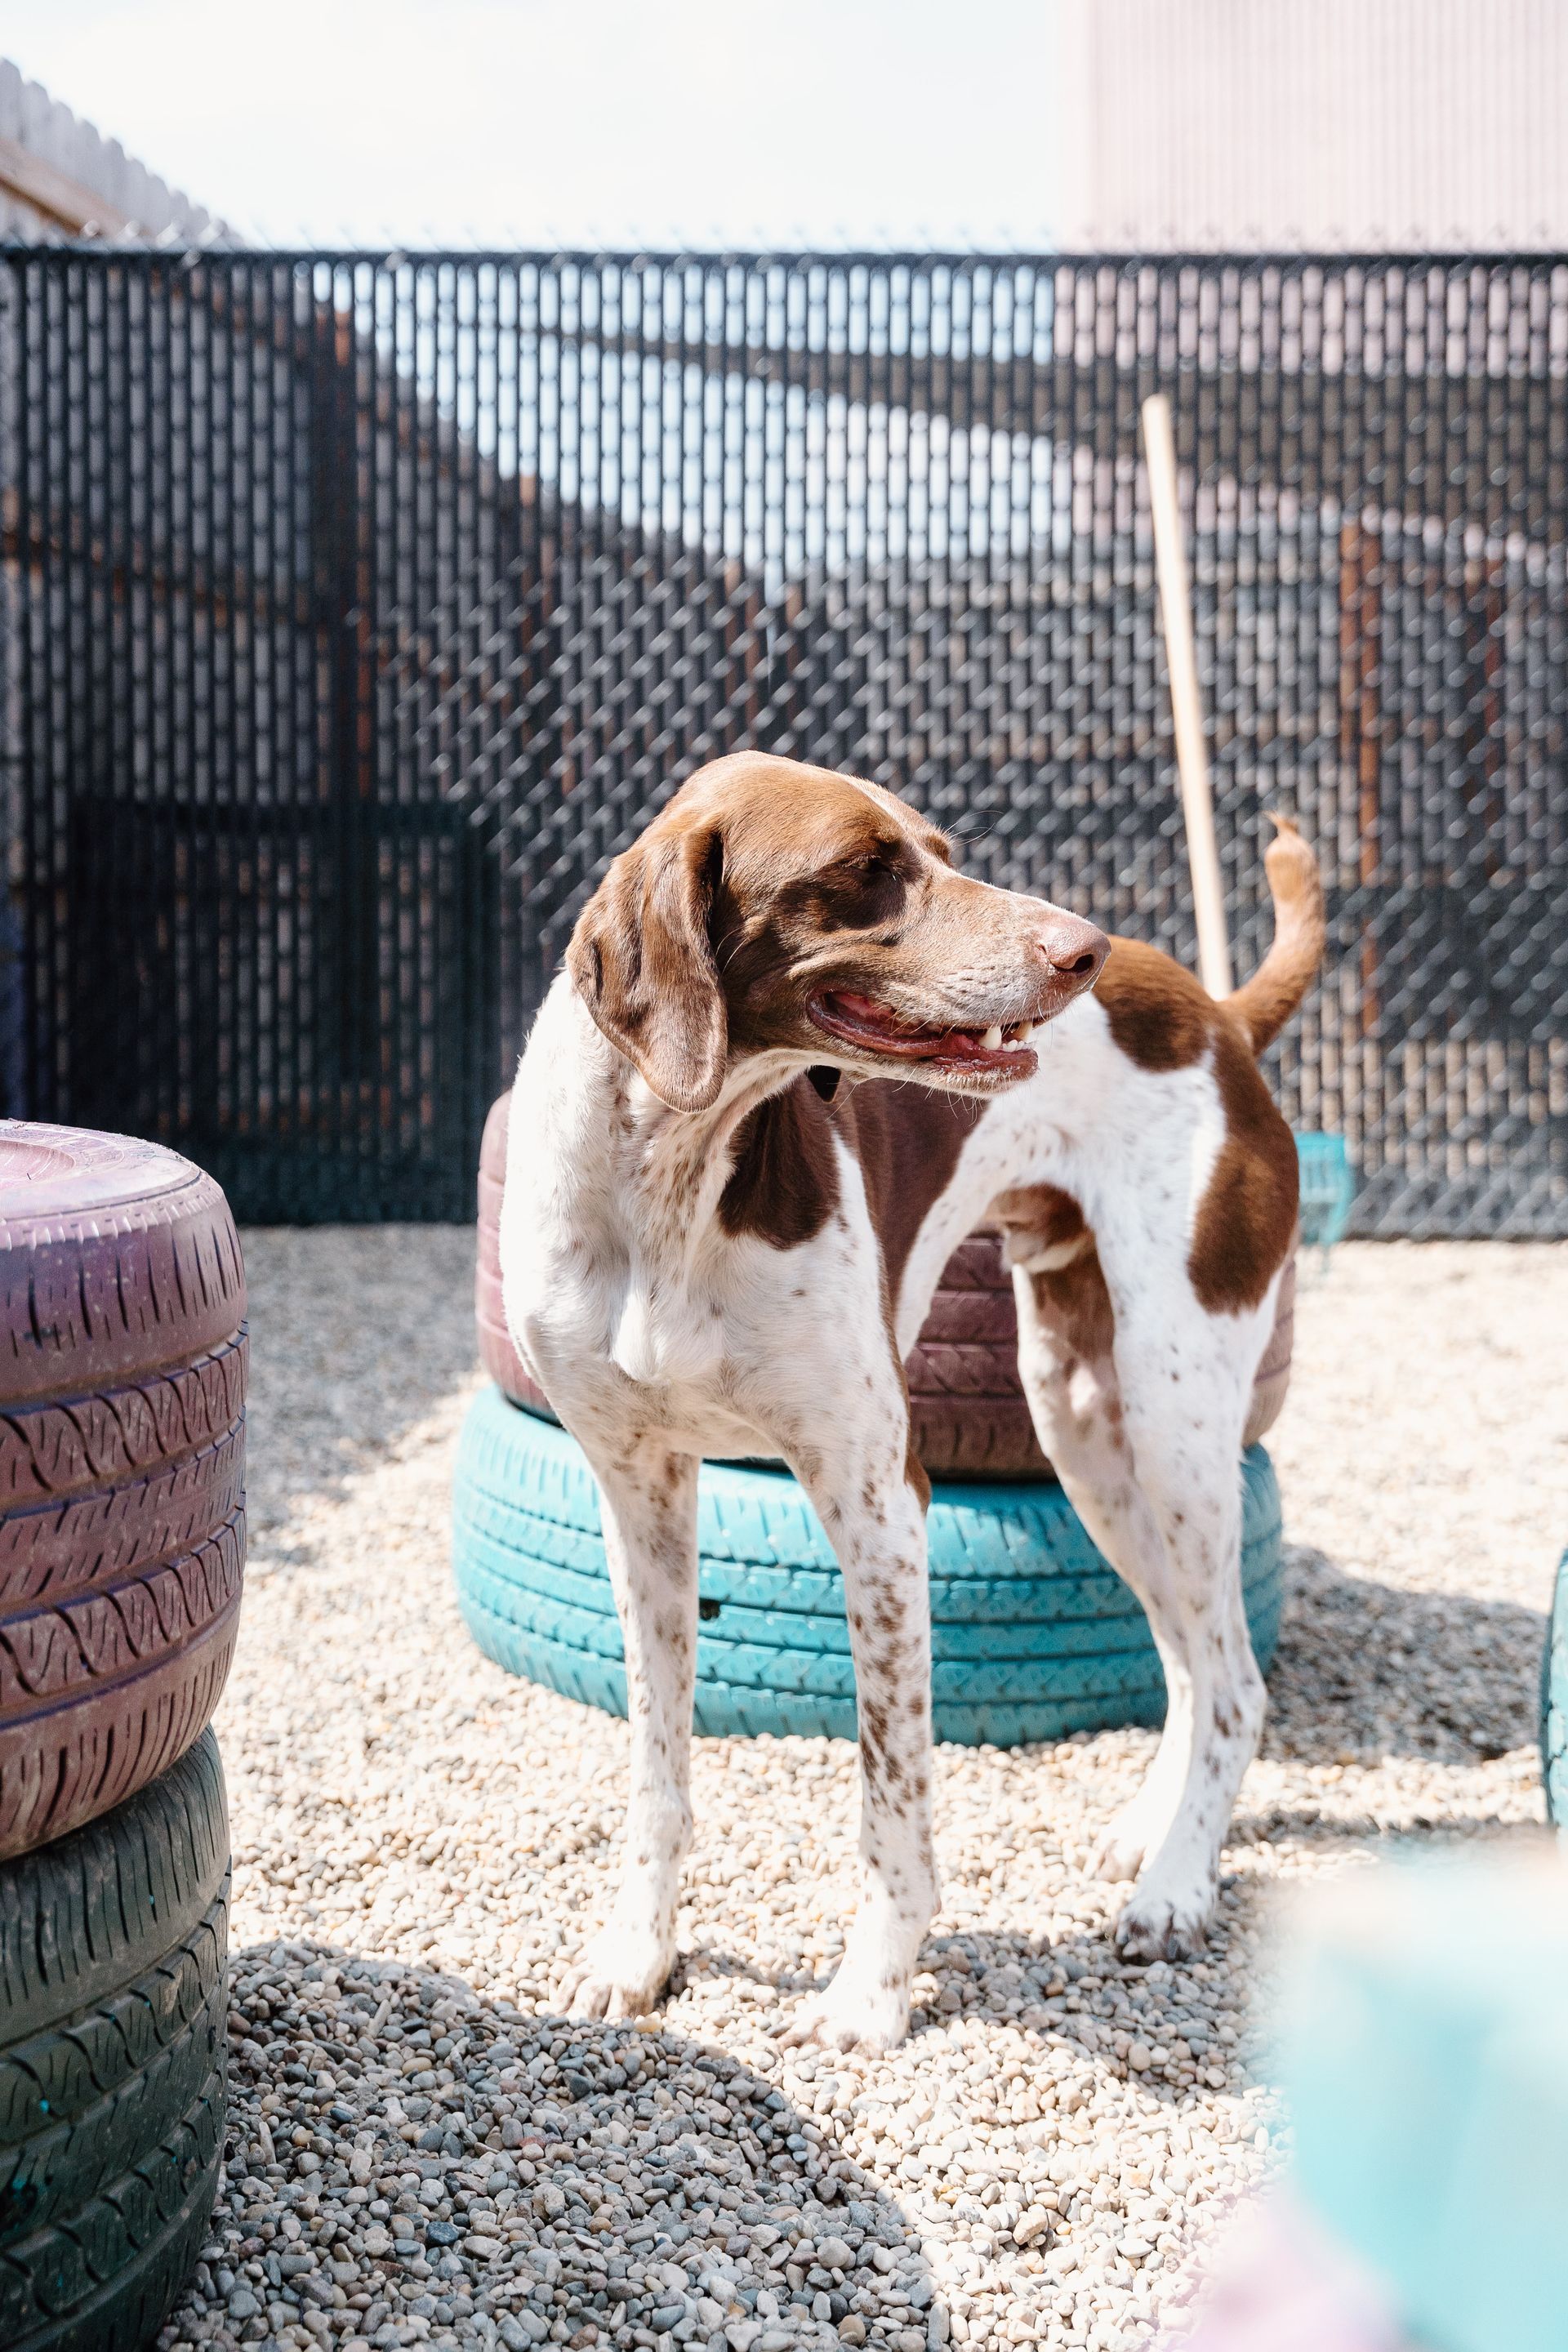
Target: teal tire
x=1032, y=1635
x=1555, y=1703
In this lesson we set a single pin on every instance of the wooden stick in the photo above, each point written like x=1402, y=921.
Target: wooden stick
x=1191, y=758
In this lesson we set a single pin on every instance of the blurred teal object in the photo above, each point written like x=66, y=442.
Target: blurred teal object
x=1328, y=1188
x=1554, y=1705
x=1423, y=2034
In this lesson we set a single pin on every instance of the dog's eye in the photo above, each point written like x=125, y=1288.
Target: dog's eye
x=877, y=890
x=857, y=893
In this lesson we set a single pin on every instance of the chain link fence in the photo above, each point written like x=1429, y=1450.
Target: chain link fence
x=355, y=609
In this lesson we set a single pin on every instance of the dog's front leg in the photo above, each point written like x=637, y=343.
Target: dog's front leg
x=648, y=1504
x=876, y=1522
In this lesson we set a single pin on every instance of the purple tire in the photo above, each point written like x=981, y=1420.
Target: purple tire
x=123, y=1382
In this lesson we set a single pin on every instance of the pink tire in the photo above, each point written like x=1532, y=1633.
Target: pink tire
x=123, y=1384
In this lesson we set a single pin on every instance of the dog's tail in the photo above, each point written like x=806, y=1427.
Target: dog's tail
x=1269, y=998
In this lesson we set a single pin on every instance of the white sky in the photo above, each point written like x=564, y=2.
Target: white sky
x=521, y=121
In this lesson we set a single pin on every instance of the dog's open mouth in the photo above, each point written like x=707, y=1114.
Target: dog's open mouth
x=877, y=1029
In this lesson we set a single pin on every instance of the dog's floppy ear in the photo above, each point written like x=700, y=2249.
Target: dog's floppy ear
x=642, y=961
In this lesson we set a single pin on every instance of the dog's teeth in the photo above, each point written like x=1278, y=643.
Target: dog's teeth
x=992, y=1037
x=1025, y=1030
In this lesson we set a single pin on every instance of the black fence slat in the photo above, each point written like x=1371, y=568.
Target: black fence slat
x=355, y=608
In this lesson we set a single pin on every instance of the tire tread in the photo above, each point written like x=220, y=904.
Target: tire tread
x=1067, y=1648
x=113, y=2002
x=123, y=1362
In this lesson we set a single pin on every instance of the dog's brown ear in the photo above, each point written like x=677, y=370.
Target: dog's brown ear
x=642, y=961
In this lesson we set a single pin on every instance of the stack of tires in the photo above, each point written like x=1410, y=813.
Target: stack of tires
x=123, y=1380
x=1032, y=1635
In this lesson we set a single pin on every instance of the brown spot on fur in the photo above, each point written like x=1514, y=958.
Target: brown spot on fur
x=1248, y=1215
x=642, y=961
x=1074, y=1302
x=1163, y=1020
x=873, y=1737
x=1037, y=1217
x=1160, y=1016
x=908, y=1139
x=915, y=1475
x=783, y=1184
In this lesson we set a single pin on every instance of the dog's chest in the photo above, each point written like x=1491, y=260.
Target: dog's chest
x=628, y=1307
x=664, y=1331
x=659, y=1352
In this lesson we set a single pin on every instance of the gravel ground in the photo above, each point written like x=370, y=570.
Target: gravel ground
x=421, y=2152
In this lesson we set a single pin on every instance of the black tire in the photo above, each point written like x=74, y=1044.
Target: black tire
x=114, y=1945
x=123, y=1377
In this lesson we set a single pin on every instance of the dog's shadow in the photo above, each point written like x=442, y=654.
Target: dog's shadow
x=1365, y=1671
x=544, y=2171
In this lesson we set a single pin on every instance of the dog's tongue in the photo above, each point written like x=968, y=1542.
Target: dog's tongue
x=887, y=1019
x=954, y=1044
x=877, y=1016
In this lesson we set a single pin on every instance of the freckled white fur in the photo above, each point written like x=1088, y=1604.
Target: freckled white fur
x=658, y=1337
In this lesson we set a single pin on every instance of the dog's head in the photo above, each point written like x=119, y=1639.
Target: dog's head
x=775, y=908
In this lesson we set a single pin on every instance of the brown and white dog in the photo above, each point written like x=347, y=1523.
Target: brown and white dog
x=712, y=1244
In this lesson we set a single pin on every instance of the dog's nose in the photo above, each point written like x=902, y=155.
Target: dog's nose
x=1074, y=949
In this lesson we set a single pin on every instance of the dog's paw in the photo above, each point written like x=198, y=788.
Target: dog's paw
x=1160, y=1926
x=1117, y=1852
x=618, y=1974
x=858, y=2011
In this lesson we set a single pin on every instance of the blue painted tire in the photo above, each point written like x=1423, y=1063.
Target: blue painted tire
x=1032, y=1636
x=1554, y=1704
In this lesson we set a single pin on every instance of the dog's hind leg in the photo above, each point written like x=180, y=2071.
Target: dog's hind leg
x=1141, y=1409
x=1066, y=1363
x=648, y=1509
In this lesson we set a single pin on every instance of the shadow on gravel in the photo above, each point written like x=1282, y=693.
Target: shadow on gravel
x=1027, y=1982
x=356, y=1334
x=1364, y=1671
x=515, y=2204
